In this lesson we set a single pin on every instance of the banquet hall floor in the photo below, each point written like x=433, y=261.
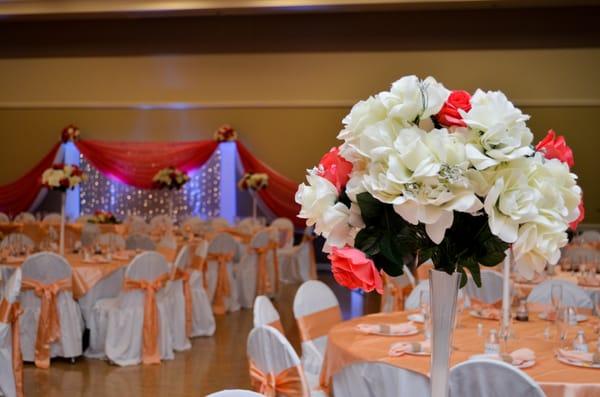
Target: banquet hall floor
x=213, y=363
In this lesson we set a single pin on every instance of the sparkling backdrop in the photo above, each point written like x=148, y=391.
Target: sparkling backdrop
x=200, y=196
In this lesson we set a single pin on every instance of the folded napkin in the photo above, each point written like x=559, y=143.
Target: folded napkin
x=388, y=329
x=401, y=348
x=519, y=356
x=586, y=358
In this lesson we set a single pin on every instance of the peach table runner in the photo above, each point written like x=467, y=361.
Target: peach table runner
x=346, y=345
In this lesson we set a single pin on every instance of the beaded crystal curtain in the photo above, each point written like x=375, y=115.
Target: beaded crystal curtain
x=199, y=197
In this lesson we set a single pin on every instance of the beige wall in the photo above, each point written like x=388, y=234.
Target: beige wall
x=287, y=106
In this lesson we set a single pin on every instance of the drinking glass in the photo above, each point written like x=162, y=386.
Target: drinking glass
x=562, y=324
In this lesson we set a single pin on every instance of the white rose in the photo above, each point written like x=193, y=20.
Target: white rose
x=315, y=198
x=334, y=226
x=498, y=130
x=536, y=245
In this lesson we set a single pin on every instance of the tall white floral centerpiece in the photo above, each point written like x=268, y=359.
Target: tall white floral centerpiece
x=254, y=181
x=443, y=176
x=62, y=177
x=170, y=178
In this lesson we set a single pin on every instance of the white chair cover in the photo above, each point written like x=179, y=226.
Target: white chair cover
x=89, y=233
x=491, y=287
x=177, y=304
x=264, y=312
x=116, y=324
x=247, y=269
x=235, y=393
x=413, y=300
x=4, y=218
x=219, y=223
x=589, y=236
x=313, y=296
x=108, y=287
x=491, y=378
x=138, y=226
x=388, y=303
x=47, y=268
x=582, y=256
x=572, y=294
x=370, y=379
x=17, y=240
x=51, y=219
x=285, y=227
x=223, y=243
x=112, y=240
x=249, y=223
x=7, y=381
x=203, y=320
x=193, y=223
x=161, y=222
x=141, y=242
x=25, y=217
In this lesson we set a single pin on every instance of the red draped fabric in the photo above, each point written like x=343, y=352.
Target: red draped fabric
x=136, y=163
x=279, y=196
x=19, y=195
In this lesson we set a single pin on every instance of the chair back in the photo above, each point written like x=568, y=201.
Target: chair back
x=271, y=353
x=194, y=224
x=248, y=223
x=491, y=287
x=51, y=219
x=219, y=223
x=572, y=294
x=265, y=313
x=589, y=236
x=25, y=217
x=141, y=242
x=261, y=239
x=161, y=221
x=89, y=232
x=183, y=258
x=222, y=242
x=146, y=266
x=413, y=299
x=372, y=379
x=235, y=393
x=491, y=378
x=113, y=240
x=16, y=240
x=285, y=229
x=4, y=218
x=138, y=226
x=313, y=296
x=12, y=287
x=46, y=267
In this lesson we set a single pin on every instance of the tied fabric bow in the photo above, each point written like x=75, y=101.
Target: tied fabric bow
x=150, y=353
x=184, y=276
x=48, y=330
x=222, y=289
x=9, y=314
x=289, y=382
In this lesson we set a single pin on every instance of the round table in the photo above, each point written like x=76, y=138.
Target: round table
x=346, y=345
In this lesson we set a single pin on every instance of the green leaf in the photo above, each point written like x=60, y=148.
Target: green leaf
x=370, y=208
x=367, y=240
x=390, y=250
x=391, y=268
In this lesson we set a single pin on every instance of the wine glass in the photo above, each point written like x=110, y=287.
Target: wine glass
x=562, y=323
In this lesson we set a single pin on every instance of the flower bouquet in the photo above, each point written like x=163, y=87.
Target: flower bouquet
x=253, y=182
x=69, y=133
x=430, y=174
x=104, y=218
x=170, y=178
x=61, y=177
x=225, y=133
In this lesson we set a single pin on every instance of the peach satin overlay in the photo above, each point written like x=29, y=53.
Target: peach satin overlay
x=319, y=323
x=184, y=276
x=9, y=314
x=273, y=246
x=150, y=351
x=277, y=325
x=263, y=284
x=290, y=382
x=397, y=293
x=48, y=330
x=223, y=288
x=346, y=345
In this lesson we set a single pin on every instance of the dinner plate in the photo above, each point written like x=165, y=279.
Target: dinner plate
x=580, y=317
x=414, y=332
x=577, y=363
x=421, y=354
x=523, y=365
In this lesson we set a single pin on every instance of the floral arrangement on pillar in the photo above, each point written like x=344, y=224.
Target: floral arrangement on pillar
x=225, y=133
x=69, y=133
x=104, y=218
x=254, y=181
x=62, y=177
x=170, y=178
x=445, y=176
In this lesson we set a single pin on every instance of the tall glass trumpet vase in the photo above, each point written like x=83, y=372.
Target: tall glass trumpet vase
x=505, y=331
x=443, y=293
x=63, y=202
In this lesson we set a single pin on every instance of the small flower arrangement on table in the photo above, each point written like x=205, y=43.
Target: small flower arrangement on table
x=104, y=218
x=254, y=181
x=225, y=133
x=62, y=177
x=170, y=178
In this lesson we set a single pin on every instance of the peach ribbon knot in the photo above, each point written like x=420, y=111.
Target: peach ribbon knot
x=223, y=288
x=150, y=352
x=9, y=314
x=184, y=276
x=48, y=330
x=289, y=382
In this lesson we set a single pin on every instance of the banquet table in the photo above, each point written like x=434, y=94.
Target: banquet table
x=347, y=345
x=525, y=287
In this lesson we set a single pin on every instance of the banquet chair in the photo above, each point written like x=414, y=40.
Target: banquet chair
x=413, y=300
x=52, y=219
x=114, y=241
x=11, y=375
x=25, y=217
x=167, y=246
x=581, y=256
x=589, y=236
x=219, y=223
x=4, y=218
x=222, y=287
x=17, y=240
x=491, y=287
x=372, y=379
x=572, y=294
x=89, y=233
x=265, y=314
x=203, y=320
x=248, y=223
x=395, y=290
x=272, y=357
x=118, y=326
x=50, y=276
x=235, y=393
x=161, y=222
x=140, y=242
x=253, y=276
x=315, y=303
x=285, y=227
x=178, y=294
x=491, y=378
x=136, y=225
x=193, y=224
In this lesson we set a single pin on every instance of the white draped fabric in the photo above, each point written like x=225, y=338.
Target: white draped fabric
x=572, y=295
x=7, y=381
x=247, y=269
x=223, y=243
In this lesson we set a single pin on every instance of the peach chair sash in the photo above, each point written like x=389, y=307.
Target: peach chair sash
x=423, y=271
x=263, y=283
x=277, y=325
x=398, y=294
x=319, y=323
x=150, y=352
x=184, y=276
x=273, y=246
x=9, y=314
x=308, y=239
x=48, y=330
x=290, y=382
x=222, y=289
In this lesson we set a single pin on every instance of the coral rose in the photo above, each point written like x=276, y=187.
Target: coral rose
x=352, y=269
